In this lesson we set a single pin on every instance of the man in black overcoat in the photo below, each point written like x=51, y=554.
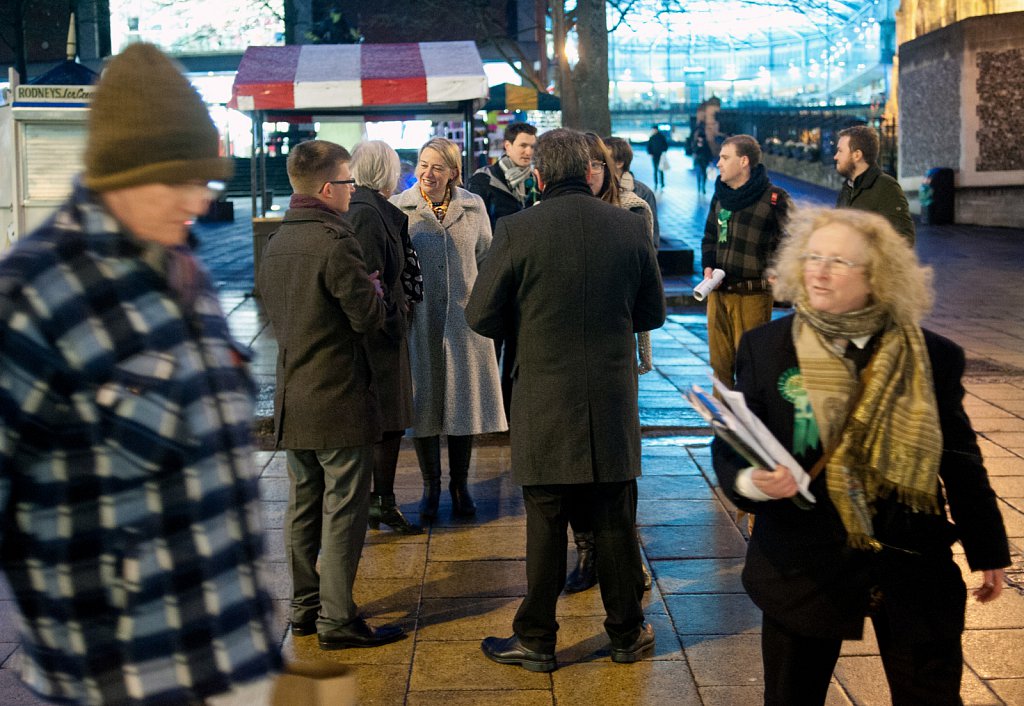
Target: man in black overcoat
x=575, y=278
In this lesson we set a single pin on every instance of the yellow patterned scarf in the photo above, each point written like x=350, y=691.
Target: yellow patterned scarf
x=891, y=441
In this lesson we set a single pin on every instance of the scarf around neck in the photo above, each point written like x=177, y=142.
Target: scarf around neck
x=304, y=201
x=890, y=442
x=515, y=175
x=738, y=199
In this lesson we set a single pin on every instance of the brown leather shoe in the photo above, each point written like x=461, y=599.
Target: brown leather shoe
x=359, y=634
x=643, y=643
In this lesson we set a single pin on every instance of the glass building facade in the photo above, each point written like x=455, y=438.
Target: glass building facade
x=670, y=56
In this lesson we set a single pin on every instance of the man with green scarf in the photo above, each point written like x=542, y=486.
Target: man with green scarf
x=743, y=229
x=508, y=186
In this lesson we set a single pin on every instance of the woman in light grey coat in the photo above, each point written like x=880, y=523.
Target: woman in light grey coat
x=456, y=386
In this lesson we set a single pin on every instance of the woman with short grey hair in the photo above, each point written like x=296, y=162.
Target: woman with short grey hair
x=376, y=166
x=383, y=233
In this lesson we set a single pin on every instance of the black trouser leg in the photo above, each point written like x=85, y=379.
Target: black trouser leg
x=460, y=453
x=584, y=574
x=385, y=462
x=612, y=512
x=919, y=629
x=546, y=522
x=797, y=669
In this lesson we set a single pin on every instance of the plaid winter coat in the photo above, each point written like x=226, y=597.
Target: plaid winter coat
x=130, y=529
x=753, y=236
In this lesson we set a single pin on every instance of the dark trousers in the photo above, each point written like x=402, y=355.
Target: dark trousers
x=328, y=503
x=610, y=509
x=506, y=363
x=659, y=175
x=922, y=656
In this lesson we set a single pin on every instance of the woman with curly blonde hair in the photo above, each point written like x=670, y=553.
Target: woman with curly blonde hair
x=870, y=404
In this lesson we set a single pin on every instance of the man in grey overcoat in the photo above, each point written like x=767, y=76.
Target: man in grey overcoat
x=321, y=302
x=575, y=278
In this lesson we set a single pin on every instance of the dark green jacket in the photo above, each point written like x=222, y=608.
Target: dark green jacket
x=878, y=192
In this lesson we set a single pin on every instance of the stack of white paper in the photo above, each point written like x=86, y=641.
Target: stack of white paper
x=735, y=424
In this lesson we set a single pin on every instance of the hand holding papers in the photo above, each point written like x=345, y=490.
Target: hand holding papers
x=707, y=284
x=735, y=424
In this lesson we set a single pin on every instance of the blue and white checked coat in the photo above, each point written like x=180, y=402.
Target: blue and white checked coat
x=129, y=525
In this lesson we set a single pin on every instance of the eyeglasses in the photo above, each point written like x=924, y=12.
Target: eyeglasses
x=207, y=189
x=814, y=262
x=596, y=166
x=337, y=182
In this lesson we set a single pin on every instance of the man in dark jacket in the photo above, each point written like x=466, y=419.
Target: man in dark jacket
x=575, y=278
x=508, y=186
x=866, y=187
x=321, y=302
x=743, y=229
x=657, y=145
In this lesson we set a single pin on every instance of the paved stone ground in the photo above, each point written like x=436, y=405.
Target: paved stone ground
x=463, y=580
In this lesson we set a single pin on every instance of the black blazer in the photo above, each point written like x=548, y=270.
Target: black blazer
x=798, y=563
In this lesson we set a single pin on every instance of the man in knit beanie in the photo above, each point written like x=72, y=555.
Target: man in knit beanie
x=131, y=534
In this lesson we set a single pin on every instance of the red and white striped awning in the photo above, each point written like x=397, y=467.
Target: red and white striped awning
x=329, y=76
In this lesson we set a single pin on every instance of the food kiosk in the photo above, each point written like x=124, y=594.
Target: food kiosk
x=42, y=143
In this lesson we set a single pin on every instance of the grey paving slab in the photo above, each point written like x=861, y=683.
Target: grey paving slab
x=693, y=542
x=704, y=576
x=714, y=614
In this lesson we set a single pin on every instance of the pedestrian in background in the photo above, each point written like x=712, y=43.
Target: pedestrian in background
x=383, y=234
x=701, y=159
x=322, y=304
x=872, y=405
x=456, y=387
x=657, y=145
x=576, y=278
x=131, y=534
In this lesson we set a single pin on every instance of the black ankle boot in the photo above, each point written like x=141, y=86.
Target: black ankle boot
x=584, y=575
x=462, y=501
x=428, y=452
x=383, y=510
x=460, y=452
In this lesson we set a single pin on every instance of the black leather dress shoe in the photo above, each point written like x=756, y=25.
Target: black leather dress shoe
x=510, y=650
x=305, y=628
x=643, y=643
x=359, y=634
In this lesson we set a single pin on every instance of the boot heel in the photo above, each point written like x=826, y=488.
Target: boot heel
x=373, y=522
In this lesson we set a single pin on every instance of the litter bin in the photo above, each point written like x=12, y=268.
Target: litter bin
x=937, y=197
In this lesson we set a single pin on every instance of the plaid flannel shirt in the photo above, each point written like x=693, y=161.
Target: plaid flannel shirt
x=130, y=526
x=754, y=234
